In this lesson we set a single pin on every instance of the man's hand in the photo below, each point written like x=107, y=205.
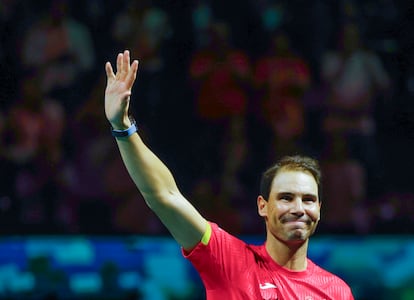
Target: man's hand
x=118, y=90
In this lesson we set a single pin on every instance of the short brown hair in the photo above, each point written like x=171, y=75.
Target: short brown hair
x=291, y=163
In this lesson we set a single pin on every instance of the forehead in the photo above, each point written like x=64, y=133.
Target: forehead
x=301, y=182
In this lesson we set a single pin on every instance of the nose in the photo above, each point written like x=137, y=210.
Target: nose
x=297, y=207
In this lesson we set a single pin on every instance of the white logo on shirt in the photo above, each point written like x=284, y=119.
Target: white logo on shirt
x=267, y=285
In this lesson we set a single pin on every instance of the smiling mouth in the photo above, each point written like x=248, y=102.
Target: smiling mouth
x=297, y=223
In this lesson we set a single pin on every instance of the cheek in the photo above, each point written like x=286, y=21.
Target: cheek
x=314, y=213
x=279, y=209
x=278, y=212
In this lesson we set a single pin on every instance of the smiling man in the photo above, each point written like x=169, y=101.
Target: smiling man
x=290, y=197
x=231, y=269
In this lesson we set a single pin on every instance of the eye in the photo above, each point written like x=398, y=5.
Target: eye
x=309, y=199
x=285, y=197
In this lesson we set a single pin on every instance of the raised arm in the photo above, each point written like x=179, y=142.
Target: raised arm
x=151, y=176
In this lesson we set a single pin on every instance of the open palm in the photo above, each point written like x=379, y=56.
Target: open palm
x=118, y=90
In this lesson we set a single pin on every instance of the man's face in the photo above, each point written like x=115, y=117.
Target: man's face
x=293, y=209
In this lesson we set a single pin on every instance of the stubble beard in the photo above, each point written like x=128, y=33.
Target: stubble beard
x=299, y=234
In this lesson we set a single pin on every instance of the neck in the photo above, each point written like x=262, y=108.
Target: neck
x=290, y=255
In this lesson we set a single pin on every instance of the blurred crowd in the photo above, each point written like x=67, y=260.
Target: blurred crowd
x=224, y=89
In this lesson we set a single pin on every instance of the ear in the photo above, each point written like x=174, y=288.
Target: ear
x=262, y=206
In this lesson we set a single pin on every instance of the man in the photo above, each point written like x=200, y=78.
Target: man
x=230, y=269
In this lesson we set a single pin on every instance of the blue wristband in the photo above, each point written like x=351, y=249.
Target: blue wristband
x=125, y=133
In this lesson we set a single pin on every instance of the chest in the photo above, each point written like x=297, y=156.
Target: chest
x=261, y=283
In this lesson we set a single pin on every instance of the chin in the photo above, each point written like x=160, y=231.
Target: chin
x=297, y=235
x=295, y=242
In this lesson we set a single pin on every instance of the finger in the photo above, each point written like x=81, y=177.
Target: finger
x=110, y=76
x=127, y=60
x=132, y=74
x=125, y=65
x=119, y=61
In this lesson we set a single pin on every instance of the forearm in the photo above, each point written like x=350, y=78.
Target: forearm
x=149, y=173
x=158, y=187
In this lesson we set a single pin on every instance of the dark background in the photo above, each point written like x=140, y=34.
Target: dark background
x=79, y=185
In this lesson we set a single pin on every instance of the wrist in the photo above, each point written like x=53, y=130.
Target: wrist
x=123, y=125
x=126, y=129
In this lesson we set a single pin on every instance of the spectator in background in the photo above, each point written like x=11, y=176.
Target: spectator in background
x=220, y=76
x=281, y=78
x=128, y=22
x=24, y=120
x=87, y=191
x=355, y=76
x=62, y=51
x=344, y=190
x=34, y=152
